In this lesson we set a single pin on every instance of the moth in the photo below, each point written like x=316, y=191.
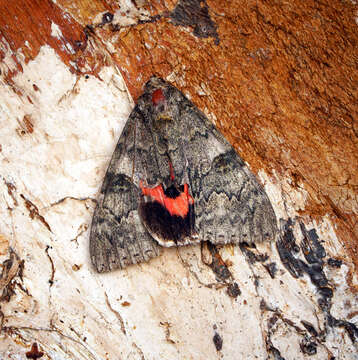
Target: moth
x=174, y=180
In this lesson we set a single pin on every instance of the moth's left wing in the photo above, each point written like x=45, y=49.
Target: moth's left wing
x=117, y=237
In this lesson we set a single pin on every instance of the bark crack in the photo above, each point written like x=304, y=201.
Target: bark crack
x=117, y=314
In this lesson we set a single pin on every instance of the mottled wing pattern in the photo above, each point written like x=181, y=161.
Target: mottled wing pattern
x=230, y=205
x=117, y=237
x=167, y=141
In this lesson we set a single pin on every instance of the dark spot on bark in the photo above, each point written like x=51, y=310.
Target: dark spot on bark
x=272, y=269
x=218, y=341
x=34, y=353
x=107, y=18
x=334, y=262
x=233, y=290
x=308, y=347
x=195, y=14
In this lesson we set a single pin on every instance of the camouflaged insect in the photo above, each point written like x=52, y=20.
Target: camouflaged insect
x=174, y=180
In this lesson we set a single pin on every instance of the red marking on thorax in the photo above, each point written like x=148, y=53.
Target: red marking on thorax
x=178, y=206
x=171, y=171
x=158, y=97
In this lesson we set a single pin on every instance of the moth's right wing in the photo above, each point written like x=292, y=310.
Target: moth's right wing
x=117, y=237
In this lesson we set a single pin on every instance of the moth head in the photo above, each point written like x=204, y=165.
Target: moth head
x=163, y=98
x=162, y=118
x=158, y=97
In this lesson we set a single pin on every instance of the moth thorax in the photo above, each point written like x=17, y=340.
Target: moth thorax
x=162, y=121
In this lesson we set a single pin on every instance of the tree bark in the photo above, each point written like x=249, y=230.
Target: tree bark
x=278, y=79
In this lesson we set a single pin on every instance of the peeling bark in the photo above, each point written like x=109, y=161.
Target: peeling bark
x=278, y=79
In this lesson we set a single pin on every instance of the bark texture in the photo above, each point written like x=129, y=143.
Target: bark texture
x=278, y=79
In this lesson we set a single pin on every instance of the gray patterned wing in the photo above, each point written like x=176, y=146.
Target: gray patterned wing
x=117, y=237
x=230, y=205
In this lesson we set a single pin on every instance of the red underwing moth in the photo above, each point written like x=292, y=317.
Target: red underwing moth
x=174, y=180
